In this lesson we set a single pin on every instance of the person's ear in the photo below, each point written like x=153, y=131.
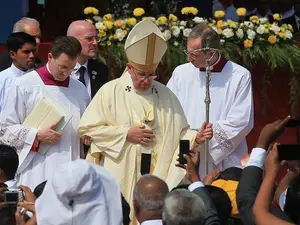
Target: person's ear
x=136, y=207
x=12, y=55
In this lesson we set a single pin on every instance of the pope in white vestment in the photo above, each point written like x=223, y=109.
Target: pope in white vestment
x=34, y=167
x=231, y=109
x=119, y=106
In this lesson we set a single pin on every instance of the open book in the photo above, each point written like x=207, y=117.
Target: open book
x=44, y=114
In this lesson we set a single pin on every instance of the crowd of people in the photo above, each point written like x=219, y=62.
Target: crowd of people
x=84, y=150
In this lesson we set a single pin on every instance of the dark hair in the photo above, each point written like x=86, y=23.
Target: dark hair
x=38, y=190
x=125, y=210
x=292, y=202
x=9, y=161
x=208, y=36
x=15, y=41
x=231, y=173
x=65, y=44
x=7, y=215
x=181, y=186
x=221, y=201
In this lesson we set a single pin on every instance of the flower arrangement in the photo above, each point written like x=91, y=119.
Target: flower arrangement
x=245, y=42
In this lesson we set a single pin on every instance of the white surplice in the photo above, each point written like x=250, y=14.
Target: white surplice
x=231, y=110
x=34, y=167
x=6, y=80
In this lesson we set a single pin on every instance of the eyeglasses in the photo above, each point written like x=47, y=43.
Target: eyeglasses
x=64, y=69
x=142, y=75
x=192, y=54
x=91, y=38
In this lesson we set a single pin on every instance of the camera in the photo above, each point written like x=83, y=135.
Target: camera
x=13, y=196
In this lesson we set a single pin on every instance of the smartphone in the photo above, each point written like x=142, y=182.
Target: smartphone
x=293, y=123
x=13, y=196
x=184, y=149
x=289, y=152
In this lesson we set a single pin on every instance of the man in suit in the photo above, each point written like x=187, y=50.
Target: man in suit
x=148, y=199
x=26, y=25
x=92, y=73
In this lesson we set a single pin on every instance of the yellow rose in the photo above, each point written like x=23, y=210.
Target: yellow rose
x=95, y=11
x=108, y=43
x=248, y=43
x=88, y=20
x=272, y=39
x=220, y=24
x=185, y=11
x=107, y=16
x=108, y=24
x=282, y=35
x=87, y=10
x=138, y=12
x=162, y=20
x=193, y=11
x=232, y=24
x=241, y=12
x=131, y=21
x=290, y=27
x=282, y=29
x=219, y=14
x=254, y=19
x=173, y=18
x=219, y=31
x=276, y=17
x=119, y=23
x=102, y=33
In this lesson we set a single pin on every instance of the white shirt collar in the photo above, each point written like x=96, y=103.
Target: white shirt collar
x=152, y=222
x=16, y=70
x=11, y=184
x=78, y=65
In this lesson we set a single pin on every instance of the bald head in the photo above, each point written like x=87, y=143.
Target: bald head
x=150, y=192
x=86, y=34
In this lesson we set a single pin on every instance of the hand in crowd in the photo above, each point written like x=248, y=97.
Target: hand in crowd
x=140, y=135
x=211, y=177
x=48, y=135
x=205, y=132
x=86, y=140
x=271, y=132
x=192, y=166
x=272, y=163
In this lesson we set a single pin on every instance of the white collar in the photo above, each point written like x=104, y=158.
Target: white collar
x=11, y=184
x=16, y=70
x=152, y=222
x=78, y=65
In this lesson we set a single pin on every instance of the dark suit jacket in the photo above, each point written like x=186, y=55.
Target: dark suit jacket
x=246, y=194
x=211, y=215
x=98, y=73
x=6, y=61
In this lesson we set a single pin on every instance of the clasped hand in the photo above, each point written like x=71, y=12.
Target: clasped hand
x=205, y=132
x=48, y=135
x=140, y=135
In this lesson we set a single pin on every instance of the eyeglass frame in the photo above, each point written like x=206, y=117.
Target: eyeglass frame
x=192, y=54
x=143, y=77
x=90, y=39
x=64, y=70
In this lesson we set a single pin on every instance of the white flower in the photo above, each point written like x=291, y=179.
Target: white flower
x=261, y=29
x=176, y=43
x=167, y=35
x=120, y=34
x=183, y=23
x=249, y=24
x=288, y=34
x=222, y=41
x=251, y=34
x=275, y=28
x=99, y=25
x=97, y=18
x=198, y=19
x=175, y=31
x=239, y=33
x=228, y=33
x=215, y=28
x=181, y=27
x=263, y=20
x=186, y=32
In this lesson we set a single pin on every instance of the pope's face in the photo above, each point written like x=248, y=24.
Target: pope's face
x=62, y=66
x=142, y=81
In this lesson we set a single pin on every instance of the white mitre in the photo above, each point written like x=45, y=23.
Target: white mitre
x=145, y=46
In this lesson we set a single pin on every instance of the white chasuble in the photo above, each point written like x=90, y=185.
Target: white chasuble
x=34, y=167
x=231, y=110
x=117, y=107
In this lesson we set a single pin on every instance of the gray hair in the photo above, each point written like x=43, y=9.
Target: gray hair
x=150, y=192
x=209, y=37
x=20, y=25
x=183, y=207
